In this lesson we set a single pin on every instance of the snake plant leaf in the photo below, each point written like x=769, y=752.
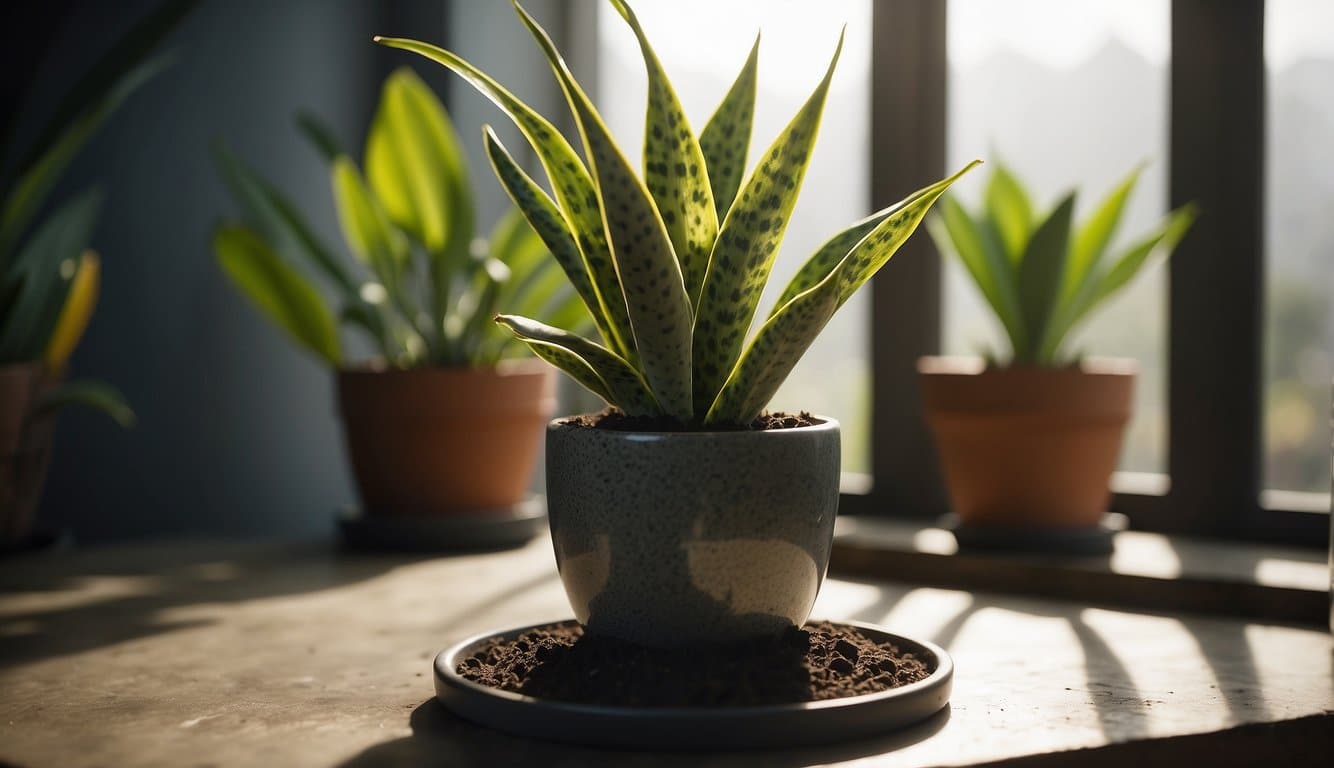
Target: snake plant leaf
x=545, y=219
x=88, y=393
x=1008, y=205
x=979, y=249
x=570, y=181
x=1042, y=272
x=786, y=336
x=36, y=183
x=874, y=250
x=279, y=291
x=320, y=136
x=1160, y=242
x=772, y=355
x=1095, y=290
x=273, y=216
x=415, y=167
x=573, y=365
x=1092, y=239
x=46, y=266
x=655, y=292
x=828, y=256
x=748, y=244
x=366, y=226
x=74, y=315
x=627, y=388
x=726, y=136
x=674, y=168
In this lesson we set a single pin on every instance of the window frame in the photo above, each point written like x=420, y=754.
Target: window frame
x=1217, y=114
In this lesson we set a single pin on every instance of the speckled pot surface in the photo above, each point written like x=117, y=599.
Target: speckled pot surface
x=676, y=539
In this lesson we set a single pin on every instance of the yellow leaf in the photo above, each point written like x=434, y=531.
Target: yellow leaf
x=76, y=313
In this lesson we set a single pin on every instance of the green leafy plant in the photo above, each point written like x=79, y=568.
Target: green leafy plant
x=671, y=266
x=420, y=285
x=1043, y=275
x=48, y=276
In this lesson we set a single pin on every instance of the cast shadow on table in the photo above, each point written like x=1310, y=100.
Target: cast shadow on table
x=59, y=604
x=1109, y=684
x=440, y=738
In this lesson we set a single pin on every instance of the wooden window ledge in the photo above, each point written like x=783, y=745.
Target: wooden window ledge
x=1147, y=571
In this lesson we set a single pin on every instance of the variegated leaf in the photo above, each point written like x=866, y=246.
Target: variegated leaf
x=786, y=336
x=628, y=390
x=726, y=136
x=780, y=343
x=546, y=220
x=573, y=365
x=747, y=245
x=877, y=247
x=570, y=181
x=660, y=312
x=828, y=256
x=674, y=168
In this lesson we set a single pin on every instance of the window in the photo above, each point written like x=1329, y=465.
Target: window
x=1299, y=244
x=703, y=59
x=1214, y=144
x=1068, y=96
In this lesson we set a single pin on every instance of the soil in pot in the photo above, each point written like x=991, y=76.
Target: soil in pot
x=823, y=661
x=619, y=422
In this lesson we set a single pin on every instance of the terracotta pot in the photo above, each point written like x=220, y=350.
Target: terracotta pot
x=680, y=539
x=445, y=441
x=1028, y=446
x=25, y=447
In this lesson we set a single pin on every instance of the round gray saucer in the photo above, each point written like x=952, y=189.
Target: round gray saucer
x=484, y=530
x=778, y=725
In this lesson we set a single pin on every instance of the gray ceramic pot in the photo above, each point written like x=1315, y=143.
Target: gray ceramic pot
x=676, y=539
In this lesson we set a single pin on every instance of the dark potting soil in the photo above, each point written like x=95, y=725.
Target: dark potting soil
x=619, y=422
x=822, y=661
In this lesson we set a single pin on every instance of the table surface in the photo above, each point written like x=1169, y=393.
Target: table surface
x=217, y=653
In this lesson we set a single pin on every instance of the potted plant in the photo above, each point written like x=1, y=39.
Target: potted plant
x=49, y=278
x=445, y=422
x=1030, y=440
x=683, y=515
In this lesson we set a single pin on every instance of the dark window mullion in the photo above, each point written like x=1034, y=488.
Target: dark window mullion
x=908, y=74
x=1216, y=276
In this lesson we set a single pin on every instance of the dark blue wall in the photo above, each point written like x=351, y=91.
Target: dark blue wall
x=236, y=432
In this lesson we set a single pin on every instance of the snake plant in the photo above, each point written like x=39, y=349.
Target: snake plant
x=672, y=265
x=1044, y=275
x=420, y=285
x=49, y=277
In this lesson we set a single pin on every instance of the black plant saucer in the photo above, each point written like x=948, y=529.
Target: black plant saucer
x=677, y=728
x=485, y=530
x=1097, y=540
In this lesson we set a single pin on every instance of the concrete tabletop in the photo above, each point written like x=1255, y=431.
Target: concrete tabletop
x=213, y=653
